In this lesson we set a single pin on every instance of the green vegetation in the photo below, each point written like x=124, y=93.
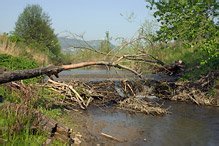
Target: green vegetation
x=16, y=63
x=188, y=32
x=15, y=127
x=33, y=27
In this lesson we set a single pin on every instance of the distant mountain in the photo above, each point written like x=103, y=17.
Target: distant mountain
x=67, y=43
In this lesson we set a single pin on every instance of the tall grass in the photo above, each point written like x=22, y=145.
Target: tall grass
x=7, y=47
x=20, y=49
x=18, y=119
x=19, y=124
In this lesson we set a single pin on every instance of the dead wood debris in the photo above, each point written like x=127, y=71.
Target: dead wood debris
x=176, y=68
x=113, y=138
x=138, y=105
x=68, y=90
x=123, y=93
x=191, y=91
x=84, y=93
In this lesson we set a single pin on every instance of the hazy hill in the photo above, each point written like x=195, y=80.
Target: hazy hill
x=67, y=43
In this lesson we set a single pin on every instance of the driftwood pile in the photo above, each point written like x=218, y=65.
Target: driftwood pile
x=192, y=91
x=69, y=92
x=121, y=93
x=83, y=93
x=138, y=105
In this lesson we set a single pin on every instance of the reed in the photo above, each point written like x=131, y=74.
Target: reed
x=21, y=50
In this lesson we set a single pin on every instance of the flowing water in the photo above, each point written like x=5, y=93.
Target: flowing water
x=188, y=124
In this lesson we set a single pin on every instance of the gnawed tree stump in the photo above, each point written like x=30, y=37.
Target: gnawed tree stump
x=174, y=69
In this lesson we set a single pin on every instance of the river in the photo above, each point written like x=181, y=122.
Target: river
x=187, y=124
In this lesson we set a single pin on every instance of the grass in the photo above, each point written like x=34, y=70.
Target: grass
x=214, y=92
x=20, y=49
x=15, y=127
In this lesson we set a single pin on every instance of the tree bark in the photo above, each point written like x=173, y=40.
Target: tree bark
x=28, y=73
x=9, y=76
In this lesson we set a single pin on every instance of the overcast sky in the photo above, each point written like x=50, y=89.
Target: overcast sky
x=92, y=17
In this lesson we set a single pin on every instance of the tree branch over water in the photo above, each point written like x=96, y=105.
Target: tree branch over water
x=116, y=60
x=9, y=76
x=115, y=51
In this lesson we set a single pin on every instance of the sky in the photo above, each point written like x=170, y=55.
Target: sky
x=89, y=17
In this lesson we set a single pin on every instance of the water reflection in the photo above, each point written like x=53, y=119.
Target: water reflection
x=104, y=74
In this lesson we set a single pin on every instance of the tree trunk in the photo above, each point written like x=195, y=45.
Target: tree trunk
x=9, y=76
x=28, y=73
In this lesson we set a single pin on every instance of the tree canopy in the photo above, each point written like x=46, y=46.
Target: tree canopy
x=191, y=22
x=34, y=26
x=185, y=19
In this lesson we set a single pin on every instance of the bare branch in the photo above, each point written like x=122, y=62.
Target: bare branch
x=91, y=49
x=115, y=55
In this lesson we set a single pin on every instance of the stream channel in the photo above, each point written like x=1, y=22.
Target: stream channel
x=188, y=124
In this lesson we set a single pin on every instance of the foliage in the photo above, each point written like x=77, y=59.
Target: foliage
x=16, y=63
x=14, y=37
x=185, y=21
x=210, y=48
x=190, y=23
x=34, y=27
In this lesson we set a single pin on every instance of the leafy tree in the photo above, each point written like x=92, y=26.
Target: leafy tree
x=191, y=22
x=185, y=20
x=34, y=26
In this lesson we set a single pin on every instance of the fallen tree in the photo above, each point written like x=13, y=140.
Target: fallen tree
x=9, y=76
x=140, y=55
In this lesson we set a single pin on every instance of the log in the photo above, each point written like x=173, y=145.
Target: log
x=111, y=137
x=9, y=76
